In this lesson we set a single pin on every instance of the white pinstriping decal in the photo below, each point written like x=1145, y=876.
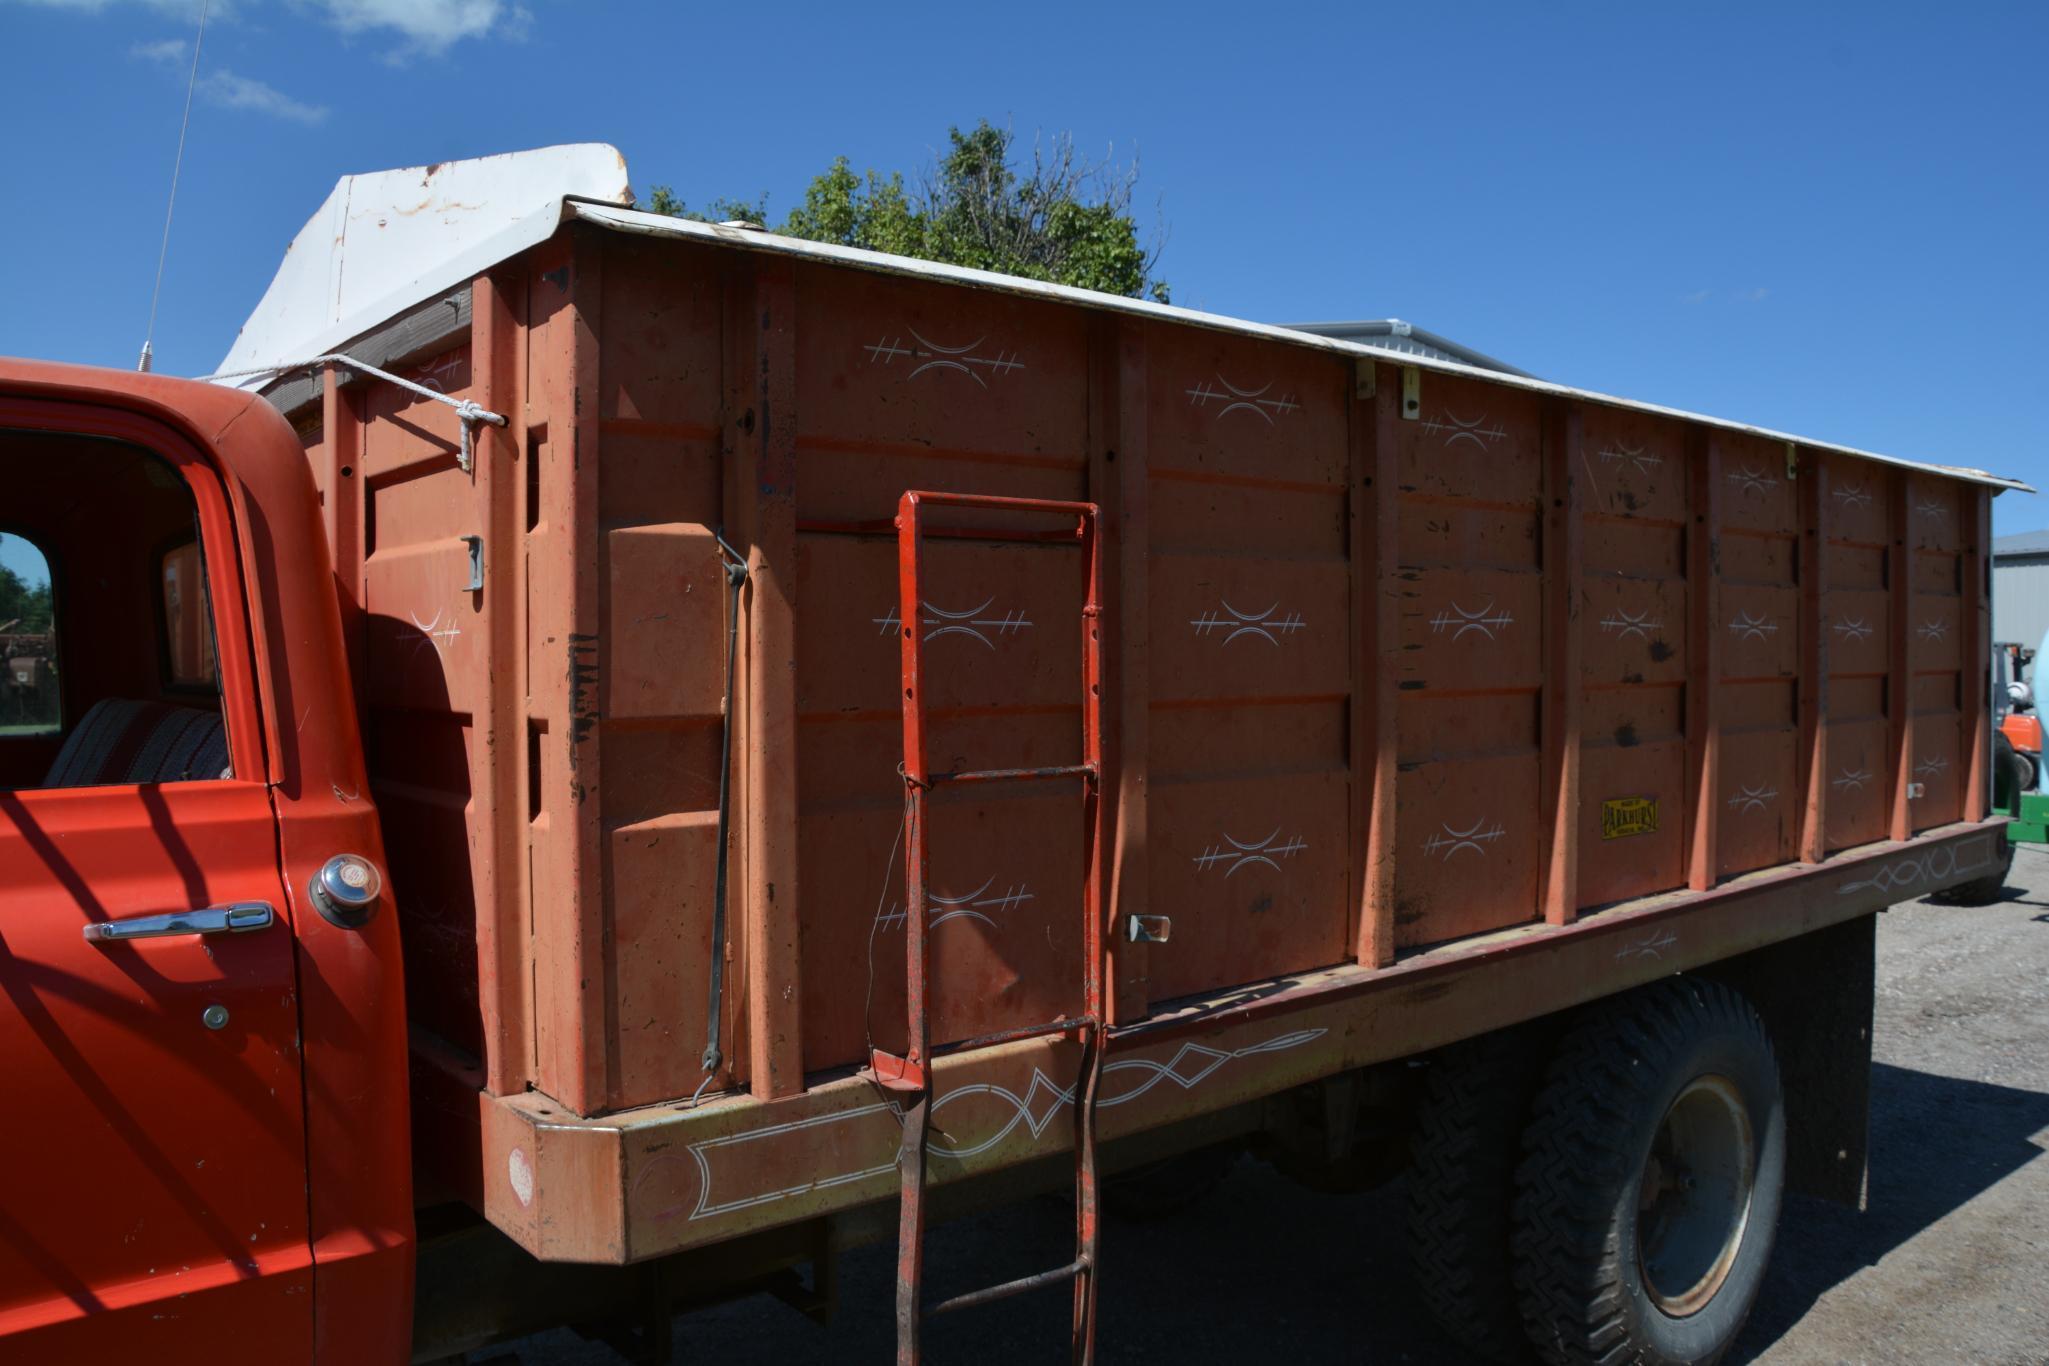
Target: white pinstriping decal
x=1635, y=455
x=1627, y=624
x=1750, y=798
x=1260, y=625
x=969, y=623
x=1238, y=854
x=1454, y=842
x=1460, y=429
x=974, y=905
x=930, y=355
x=1191, y=1065
x=1237, y=400
x=1458, y=620
x=1027, y=1109
x=1750, y=626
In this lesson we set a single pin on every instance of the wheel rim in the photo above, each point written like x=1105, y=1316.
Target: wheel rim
x=1693, y=1197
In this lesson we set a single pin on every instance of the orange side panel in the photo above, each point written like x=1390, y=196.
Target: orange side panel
x=1350, y=713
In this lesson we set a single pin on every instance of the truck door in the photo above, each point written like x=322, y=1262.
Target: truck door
x=153, y=1185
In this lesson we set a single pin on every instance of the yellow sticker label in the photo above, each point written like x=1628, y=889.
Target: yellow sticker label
x=1624, y=816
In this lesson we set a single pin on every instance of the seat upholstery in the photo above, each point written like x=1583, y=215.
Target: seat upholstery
x=121, y=740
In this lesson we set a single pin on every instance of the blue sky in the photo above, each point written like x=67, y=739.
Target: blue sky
x=1828, y=219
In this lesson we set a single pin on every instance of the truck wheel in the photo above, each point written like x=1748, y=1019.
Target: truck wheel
x=1465, y=1144
x=1654, y=1164
x=1981, y=891
x=2012, y=775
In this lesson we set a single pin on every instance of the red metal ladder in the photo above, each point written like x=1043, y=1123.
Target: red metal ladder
x=911, y=1074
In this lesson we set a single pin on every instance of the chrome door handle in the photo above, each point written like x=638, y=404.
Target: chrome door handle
x=239, y=918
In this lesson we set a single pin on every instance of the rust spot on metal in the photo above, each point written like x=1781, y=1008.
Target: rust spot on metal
x=583, y=679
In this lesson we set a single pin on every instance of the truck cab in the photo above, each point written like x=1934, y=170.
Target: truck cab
x=210, y=1141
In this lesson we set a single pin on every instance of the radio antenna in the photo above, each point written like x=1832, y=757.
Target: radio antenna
x=177, y=164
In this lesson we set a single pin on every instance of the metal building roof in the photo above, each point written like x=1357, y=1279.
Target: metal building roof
x=1392, y=334
x=2024, y=543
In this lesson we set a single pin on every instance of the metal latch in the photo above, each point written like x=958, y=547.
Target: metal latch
x=476, y=545
x=238, y=918
x=1149, y=929
x=1412, y=392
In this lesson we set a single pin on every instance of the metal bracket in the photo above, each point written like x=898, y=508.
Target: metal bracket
x=476, y=583
x=1412, y=392
x=1149, y=929
x=1365, y=378
x=1792, y=462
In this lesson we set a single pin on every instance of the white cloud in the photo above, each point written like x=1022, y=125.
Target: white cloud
x=183, y=9
x=171, y=51
x=1699, y=296
x=1754, y=296
x=228, y=89
x=430, y=25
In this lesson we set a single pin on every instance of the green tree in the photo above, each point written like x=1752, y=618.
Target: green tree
x=1060, y=218
x=26, y=605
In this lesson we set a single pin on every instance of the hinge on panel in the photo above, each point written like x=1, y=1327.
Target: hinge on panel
x=1149, y=929
x=476, y=583
x=1412, y=392
x=1792, y=462
x=1365, y=385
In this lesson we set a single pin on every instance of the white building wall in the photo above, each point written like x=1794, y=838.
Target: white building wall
x=2020, y=600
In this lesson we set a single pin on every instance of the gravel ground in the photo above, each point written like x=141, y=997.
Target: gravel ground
x=1946, y=1265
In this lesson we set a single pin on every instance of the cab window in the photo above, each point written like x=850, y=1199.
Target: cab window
x=187, y=625
x=102, y=553
x=29, y=702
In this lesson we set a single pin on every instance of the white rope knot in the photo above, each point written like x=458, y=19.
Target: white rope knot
x=468, y=411
x=471, y=412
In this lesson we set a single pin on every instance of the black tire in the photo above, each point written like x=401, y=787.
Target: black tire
x=1983, y=891
x=2012, y=775
x=1464, y=1148
x=1162, y=1189
x=2020, y=774
x=1599, y=1276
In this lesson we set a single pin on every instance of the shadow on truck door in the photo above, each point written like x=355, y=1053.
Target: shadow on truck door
x=153, y=1176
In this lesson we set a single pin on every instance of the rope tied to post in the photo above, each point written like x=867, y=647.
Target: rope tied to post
x=467, y=410
x=735, y=567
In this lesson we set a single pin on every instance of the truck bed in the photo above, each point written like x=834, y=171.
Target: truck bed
x=1433, y=699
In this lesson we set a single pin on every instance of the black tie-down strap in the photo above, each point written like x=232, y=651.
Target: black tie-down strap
x=736, y=579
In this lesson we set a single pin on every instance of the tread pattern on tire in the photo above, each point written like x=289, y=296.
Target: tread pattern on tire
x=1568, y=1281
x=1464, y=1150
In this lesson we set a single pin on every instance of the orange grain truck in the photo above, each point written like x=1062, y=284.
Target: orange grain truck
x=842, y=727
